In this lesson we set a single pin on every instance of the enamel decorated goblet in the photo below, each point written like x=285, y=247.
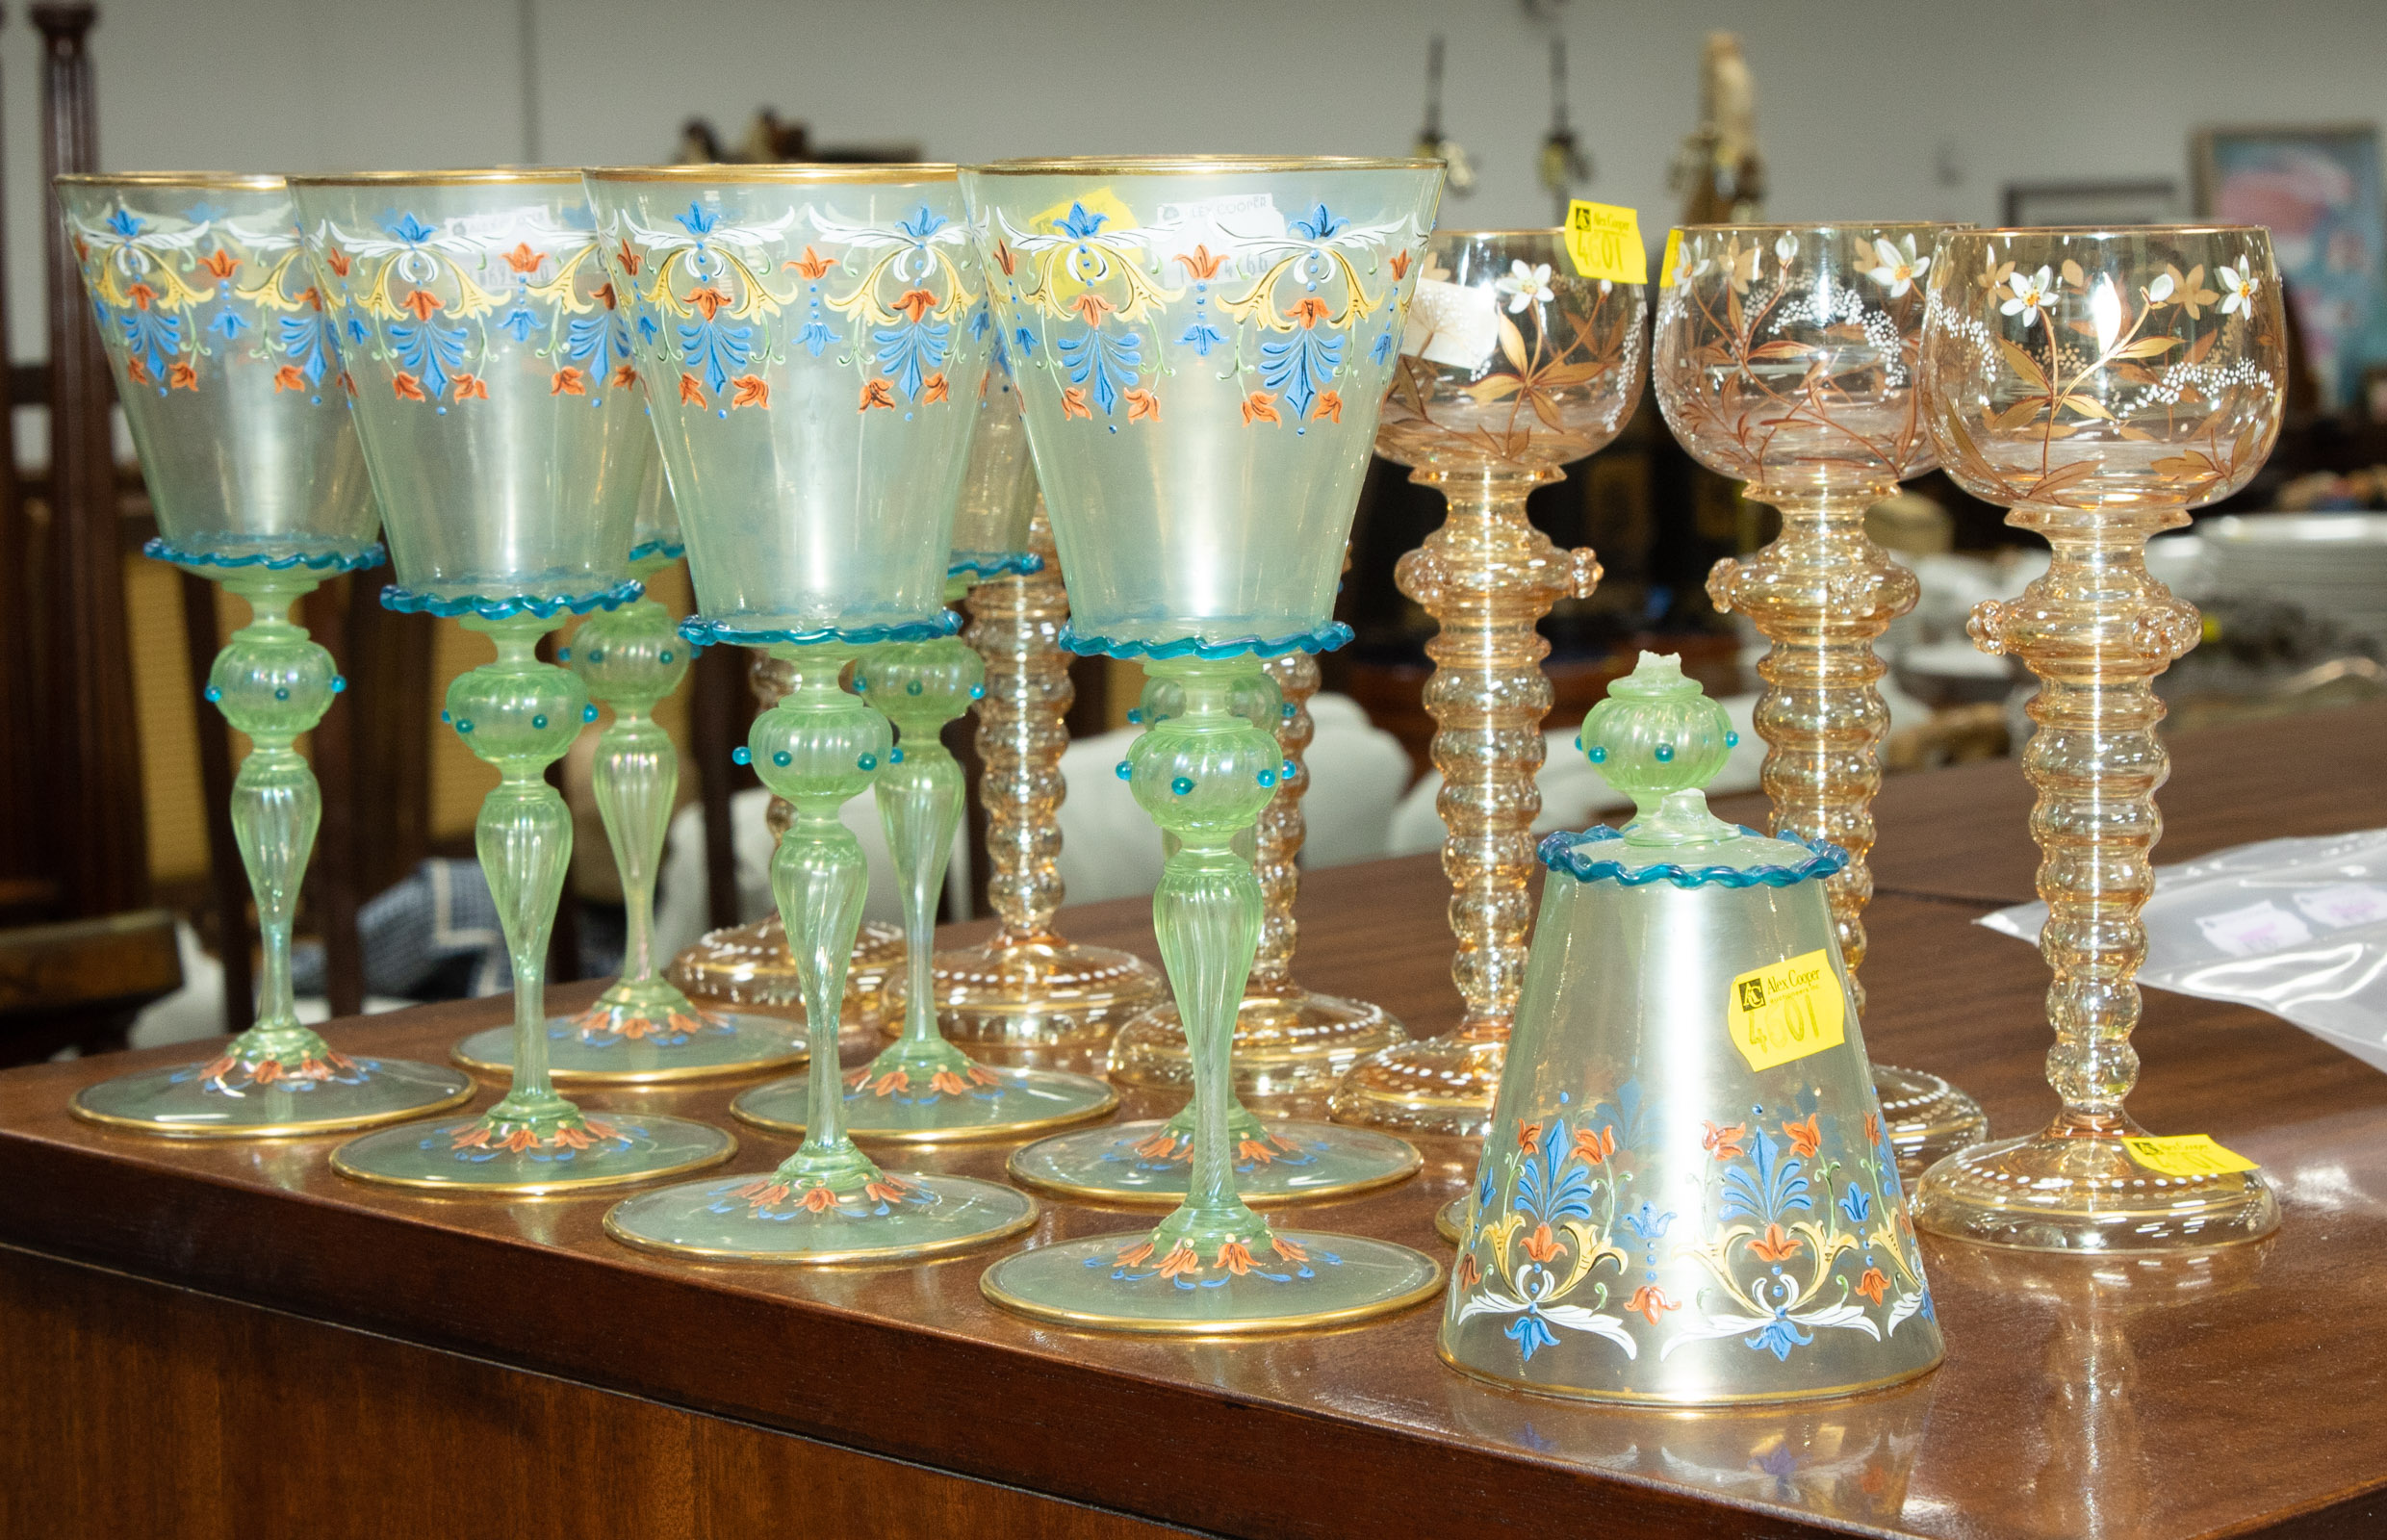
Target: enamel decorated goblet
x=1513, y=367
x=817, y=336
x=1786, y=358
x=503, y=425
x=642, y=1030
x=1201, y=345
x=229, y=379
x=2101, y=385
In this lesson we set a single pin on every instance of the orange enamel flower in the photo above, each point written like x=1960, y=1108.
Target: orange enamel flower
x=181, y=376
x=1180, y=1260
x=750, y=390
x=1287, y=1249
x=219, y=261
x=811, y=264
x=1873, y=1129
x=422, y=303
x=140, y=294
x=1309, y=310
x=1806, y=1137
x=138, y=371
x=948, y=1082
x=690, y=390
x=934, y=389
x=623, y=377
x=877, y=392
x=407, y=387
x=764, y=1191
x=1139, y=1253
x=1725, y=1141
x=1260, y=406
x=709, y=300
x=267, y=1072
x=1092, y=307
x=1775, y=1245
x=1541, y=1245
x=216, y=1070
x=1470, y=1275
x=630, y=259
x=820, y=1200
x=312, y=298
x=603, y=1130
x=1234, y=1258
x=1873, y=1284
x=473, y=1136
x=893, y=1081
x=347, y=382
x=1595, y=1147
x=471, y=388
x=1200, y=263
x=1529, y=1138
x=338, y=1060
x=1252, y=1149
x=1158, y=1146
x=522, y=259
x=1143, y=404
x=1073, y=403
x=571, y=1138
x=981, y=1075
x=1329, y=404
x=339, y=261
x=1650, y=1301
x=604, y=294
x=1003, y=259
x=919, y=301
x=568, y=382
x=521, y=1138
x=889, y=1191
x=1401, y=266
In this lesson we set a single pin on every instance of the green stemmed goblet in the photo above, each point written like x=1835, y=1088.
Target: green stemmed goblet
x=229, y=377
x=643, y=1030
x=1202, y=345
x=824, y=332
x=503, y=425
x=922, y=1088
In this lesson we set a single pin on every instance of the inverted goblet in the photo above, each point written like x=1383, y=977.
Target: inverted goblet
x=1514, y=366
x=228, y=374
x=2101, y=385
x=1786, y=358
x=1027, y=986
x=642, y=1030
x=825, y=335
x=503, y=425
x=1202, y=346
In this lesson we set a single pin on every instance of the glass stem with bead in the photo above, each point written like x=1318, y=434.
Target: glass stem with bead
x=819, y=748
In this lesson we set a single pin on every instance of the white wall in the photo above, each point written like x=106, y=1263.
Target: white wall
x=1857, y=102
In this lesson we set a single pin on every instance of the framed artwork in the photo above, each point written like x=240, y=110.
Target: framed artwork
x=2319, y=191
x=2154, y=200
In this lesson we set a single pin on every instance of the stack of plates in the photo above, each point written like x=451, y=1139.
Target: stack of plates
x=2333, y=566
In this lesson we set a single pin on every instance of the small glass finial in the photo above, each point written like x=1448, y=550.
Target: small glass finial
x=1658, y=739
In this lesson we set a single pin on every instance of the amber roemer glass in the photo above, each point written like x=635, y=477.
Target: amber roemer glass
x=2101, y=385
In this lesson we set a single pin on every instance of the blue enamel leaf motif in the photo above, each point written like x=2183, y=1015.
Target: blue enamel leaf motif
x=924, y=223
x=1551, y=1185
x=716, y=349
x=125, y=222
x=1530, y=1333
x=306, y=341
x=910, y=352
x=430, y=351
x=598, y=343
x=1300, y=365
x=1201, y=336
x=1382, y=352
x=1317, y=224
x=1108, y=365
x=1779, y=1336
x=1770, y=1186
x=1078, y=224
x=1648, y=1223
x=228, y=324
x=1855, y=1205
x=697, y=221
x=409, y=229
x=151, y=334
x=520, y=321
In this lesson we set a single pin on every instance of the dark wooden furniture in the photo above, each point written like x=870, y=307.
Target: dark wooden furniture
x=222, y=1340
x=78, y=984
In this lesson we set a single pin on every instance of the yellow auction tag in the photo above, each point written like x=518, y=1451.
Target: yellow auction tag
x=1605, y=243
x=2187, y=1155
x=1674, y=254
x=1787, y=1010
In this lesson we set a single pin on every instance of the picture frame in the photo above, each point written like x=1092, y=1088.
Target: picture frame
x=2143, y=200
x=2318, y=191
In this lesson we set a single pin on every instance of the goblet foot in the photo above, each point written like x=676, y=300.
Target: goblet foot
x=1430, y=1086
x=1285, y=1044
x=225, y=1099
x=1040, y=994
x=961, y=1100
x=1451, y=1221
x=750, y=964
x=644, y=1033
x=762, y=1219
x=549, y=1154
x=1307, y=1280
x=1152, y=1161
x=2076, y=1187
x=1925, y=1118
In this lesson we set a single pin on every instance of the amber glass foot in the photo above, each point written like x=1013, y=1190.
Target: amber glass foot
x=1432, y=1085
x=2078, y=1187
x=1285, y=1044
x=1926, y=1119
x=1451, y=1219
x=1040, y=994
x=750, y=964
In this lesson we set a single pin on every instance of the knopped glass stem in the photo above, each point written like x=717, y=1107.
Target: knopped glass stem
x=1487, y=576
x=920, y=686
x=1203, y=774
x=272, y=683
x=819, y=748
x=521, y=715
x=1014, y=625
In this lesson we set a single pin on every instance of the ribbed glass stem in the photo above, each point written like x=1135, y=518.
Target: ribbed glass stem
x=1016, y=625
